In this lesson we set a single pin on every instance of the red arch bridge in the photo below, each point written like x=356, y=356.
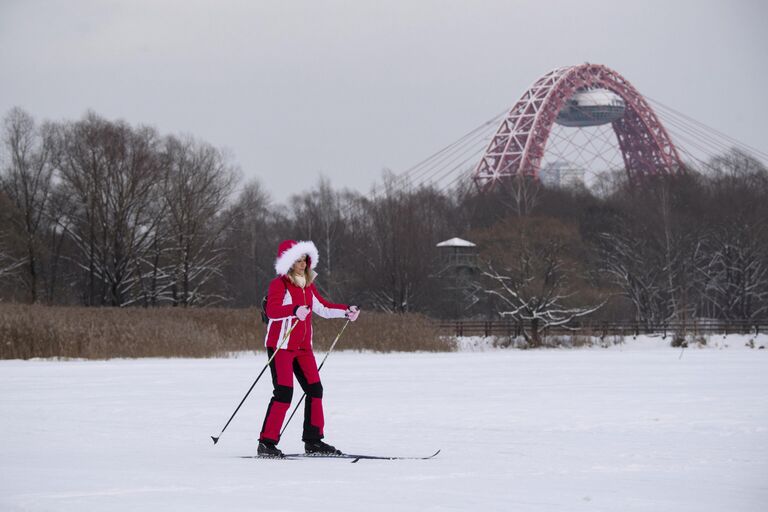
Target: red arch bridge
x=629, y=132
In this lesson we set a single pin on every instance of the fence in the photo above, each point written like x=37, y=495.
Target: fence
x=515, y=328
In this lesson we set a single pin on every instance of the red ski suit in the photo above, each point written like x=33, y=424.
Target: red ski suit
x=283, y=298
x=295, y=357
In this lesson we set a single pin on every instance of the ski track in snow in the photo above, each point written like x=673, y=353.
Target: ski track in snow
x=630, y=428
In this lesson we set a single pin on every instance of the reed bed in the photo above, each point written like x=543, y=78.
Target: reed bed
x=34, y=331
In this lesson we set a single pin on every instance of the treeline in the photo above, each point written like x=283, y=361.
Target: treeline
x=100, y=213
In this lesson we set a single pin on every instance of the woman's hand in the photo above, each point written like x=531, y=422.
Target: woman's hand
x=302, y=312
x=352, y=313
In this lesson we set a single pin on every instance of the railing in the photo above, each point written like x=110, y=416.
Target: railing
x=514, y=328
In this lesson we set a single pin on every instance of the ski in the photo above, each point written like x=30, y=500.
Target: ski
x=354, y=457
x=269, y=457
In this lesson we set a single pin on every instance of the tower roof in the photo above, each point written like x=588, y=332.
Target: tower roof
x=455, y=242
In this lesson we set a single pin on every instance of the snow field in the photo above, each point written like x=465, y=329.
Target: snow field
x=631, y=428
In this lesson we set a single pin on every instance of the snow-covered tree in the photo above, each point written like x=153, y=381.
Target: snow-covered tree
x=9, y=264
x=733, y=269
x=532, y=270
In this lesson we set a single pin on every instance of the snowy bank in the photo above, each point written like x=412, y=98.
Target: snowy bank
x=642, y=342
x=636, y=429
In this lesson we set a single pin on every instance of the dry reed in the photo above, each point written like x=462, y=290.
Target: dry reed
x=102, y=333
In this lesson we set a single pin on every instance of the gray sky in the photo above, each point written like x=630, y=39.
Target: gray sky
x=297, y=88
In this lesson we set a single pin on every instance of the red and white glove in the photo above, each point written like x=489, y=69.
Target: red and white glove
x=352, y=313
x=302, y=312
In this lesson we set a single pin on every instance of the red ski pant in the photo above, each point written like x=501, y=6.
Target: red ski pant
x=284, y=366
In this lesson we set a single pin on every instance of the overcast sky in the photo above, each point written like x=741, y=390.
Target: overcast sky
x=293, y=89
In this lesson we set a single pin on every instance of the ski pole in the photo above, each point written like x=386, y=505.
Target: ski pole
x=318, y=369
x=287, y=335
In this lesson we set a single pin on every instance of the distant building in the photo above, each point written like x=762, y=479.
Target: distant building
x=561, y=174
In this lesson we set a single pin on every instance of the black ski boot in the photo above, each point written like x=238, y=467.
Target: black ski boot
x=267, y=449
x=317, y=447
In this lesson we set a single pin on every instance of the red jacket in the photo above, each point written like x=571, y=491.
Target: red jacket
x=282, y=299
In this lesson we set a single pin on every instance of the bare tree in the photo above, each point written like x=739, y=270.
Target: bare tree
x=251, y=240
x=114, y=173
x=394, y=252
x=27, y=181
x=59, y=213
x=196, y=188
x=521, y=194
x=318, y=216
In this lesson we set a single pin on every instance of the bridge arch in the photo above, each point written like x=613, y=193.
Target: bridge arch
x=518, y=146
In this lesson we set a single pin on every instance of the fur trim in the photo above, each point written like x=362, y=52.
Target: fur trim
x=285, y=261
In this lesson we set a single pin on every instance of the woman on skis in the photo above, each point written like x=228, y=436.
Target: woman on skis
x=291, y=300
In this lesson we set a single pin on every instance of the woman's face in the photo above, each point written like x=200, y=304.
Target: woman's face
x=300, y=266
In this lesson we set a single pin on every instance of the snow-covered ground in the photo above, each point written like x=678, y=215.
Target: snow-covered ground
x=630, y=428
